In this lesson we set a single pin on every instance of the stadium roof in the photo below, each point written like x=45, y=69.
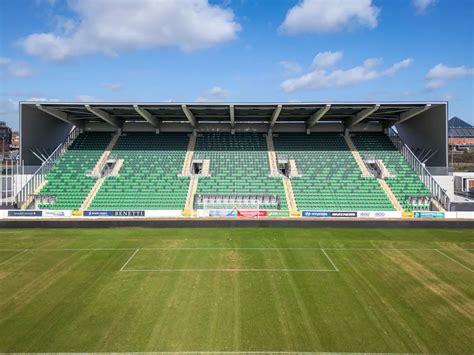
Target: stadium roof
x=460, y=129
x=350, y=113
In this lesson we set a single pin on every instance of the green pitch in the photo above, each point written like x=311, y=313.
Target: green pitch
x=330, y=290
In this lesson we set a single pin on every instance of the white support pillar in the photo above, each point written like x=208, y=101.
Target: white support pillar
x=362, y=115
x=189, y=115
x=412, y=113
x=63, y=116
x=104, y=116
x=315, y=117
x=232, y=118
x=275, y=115
x=155, y=122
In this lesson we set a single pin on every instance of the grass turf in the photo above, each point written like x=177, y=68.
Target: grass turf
x=351, y=290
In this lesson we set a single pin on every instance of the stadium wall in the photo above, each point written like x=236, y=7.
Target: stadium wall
x=428, y=130
x=39, y=132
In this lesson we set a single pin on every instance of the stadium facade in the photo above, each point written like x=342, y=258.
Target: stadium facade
x=228, y=158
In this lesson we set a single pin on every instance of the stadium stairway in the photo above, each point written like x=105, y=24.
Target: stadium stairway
x=239, y=166
x=186, y=171
x=189, y=206
x=103, y=159
x=330, y=178
x=70, y=180
x=366, y=174
x=272, y=160
x=150, y=176
x=357, y=157
x=402, y=179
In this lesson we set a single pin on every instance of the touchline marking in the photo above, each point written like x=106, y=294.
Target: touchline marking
x=230, y=270
x=218, y=248
x=14, y=257
x=457, y=262
x=129, y=259
x=330, y=260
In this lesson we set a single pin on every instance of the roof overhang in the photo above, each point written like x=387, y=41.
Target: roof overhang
x=235, y=113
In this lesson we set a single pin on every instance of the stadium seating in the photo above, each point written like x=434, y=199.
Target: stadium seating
x=68, y=180
x=330, y=179
x=403, y=181
x=238, y=166
x=148, y=179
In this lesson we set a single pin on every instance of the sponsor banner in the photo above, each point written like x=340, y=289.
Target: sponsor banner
x=428, y=214
x=465, y=215
x=315, y=214
x=344, y=214
x=55, y=213
x=407, y=214
x=379, y=214
x=278, y=213
x=251, y=213
x=114, y=213
x=25, y=213
x=222, y=213
x=163, y=213
x=450, y=214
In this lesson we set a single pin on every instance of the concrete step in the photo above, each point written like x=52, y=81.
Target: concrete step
x=186, y=170
x=355, y=153
x=388, y=191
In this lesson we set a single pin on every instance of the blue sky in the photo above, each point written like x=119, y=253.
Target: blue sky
x=236, y=50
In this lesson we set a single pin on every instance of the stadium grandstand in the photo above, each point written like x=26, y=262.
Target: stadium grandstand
x=189, y=158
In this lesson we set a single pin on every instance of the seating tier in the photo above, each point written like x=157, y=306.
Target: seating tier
x=330, y=179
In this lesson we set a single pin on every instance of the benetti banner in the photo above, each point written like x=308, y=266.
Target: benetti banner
x=114, y=213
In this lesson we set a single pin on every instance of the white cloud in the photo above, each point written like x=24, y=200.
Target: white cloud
x=290, y=67
x=322, y=78
x=326, y=59
x=15, y=68
x=323, y=16
x=439, y=75
x=5, y=60
x=112, y=26
x=88, y=98
x=216, y=93
x=42, y=99
x=422, y=5
x=113, y=86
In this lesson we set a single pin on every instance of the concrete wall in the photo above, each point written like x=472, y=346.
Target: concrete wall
x=428, y=130
x=39, y=131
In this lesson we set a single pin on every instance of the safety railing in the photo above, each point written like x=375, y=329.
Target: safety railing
x=39, y=175
x=436, y=190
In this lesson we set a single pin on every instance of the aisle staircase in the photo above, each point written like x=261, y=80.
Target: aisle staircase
x=396, y=204
x=355, y=153
x=105, y=156
x=186, y=171
x=272, y=160
x=189, y=206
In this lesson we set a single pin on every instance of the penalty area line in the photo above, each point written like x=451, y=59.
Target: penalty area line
x=129, y=259
x=14, y=257
x=330, y=260
x=230, y=270
x=454, y=260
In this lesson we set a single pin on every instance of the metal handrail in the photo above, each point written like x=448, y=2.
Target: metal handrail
x=39, y=175
x=431, y=184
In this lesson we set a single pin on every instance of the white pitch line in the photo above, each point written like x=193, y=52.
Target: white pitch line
x=457, y=262
x=129, y=259
x=230, y=270
x=218, y=248
x=14, y=257
x=330, y=260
